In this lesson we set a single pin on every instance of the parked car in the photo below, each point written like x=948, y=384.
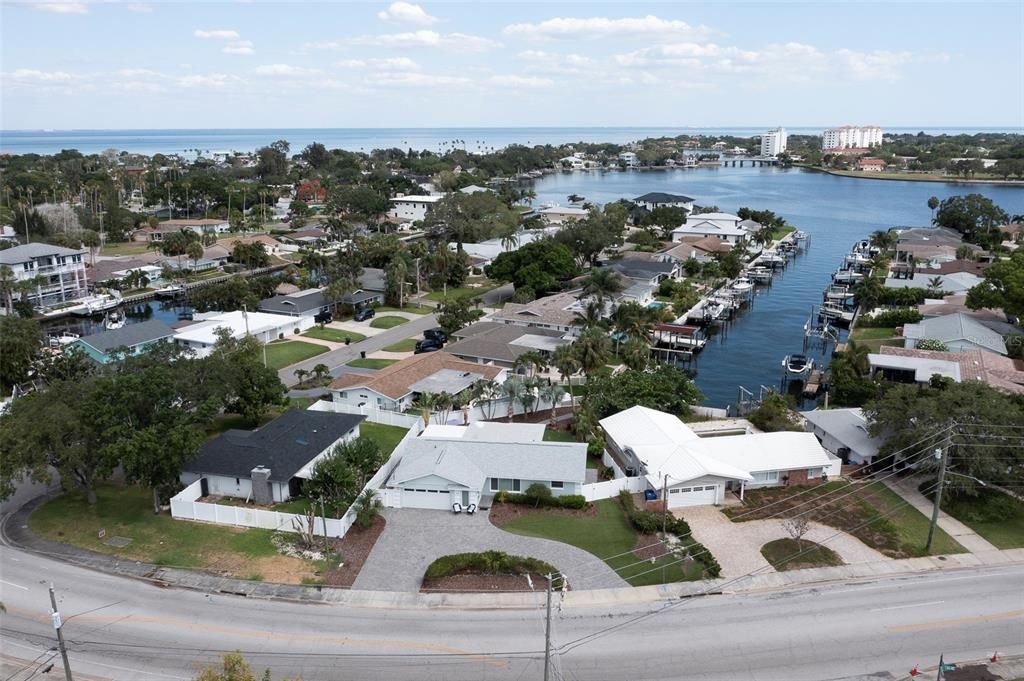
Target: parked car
x=427, y=345
x=436, y=334
x=364, y=314
x=323, y=318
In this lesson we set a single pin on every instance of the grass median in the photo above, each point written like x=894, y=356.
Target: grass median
x=281, y=354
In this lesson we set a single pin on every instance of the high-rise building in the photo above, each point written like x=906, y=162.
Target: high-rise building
x=851, y=137
x=773, y=142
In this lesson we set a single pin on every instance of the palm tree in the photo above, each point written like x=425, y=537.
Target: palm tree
x=882, y=239
x=486, y=392
x=321, y=371
x=510, y=240
x=592, y=315
x=552, y=393
x=636, y=354
x=512, y=390
x=528, y=398
x=933, y=203
x=533, y=360
x=564, y=359
x=187, y=186
x=194, y=251
x=857, y=357
x=8, y=285
x=426, y=403
x=592, y=350
x=934, y=285
x=302, y=375
x=445, y=403
x=868, y=292
x=602, y=284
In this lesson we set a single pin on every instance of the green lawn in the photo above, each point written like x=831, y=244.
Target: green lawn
x=414, y=308
x=788, y=554
x=335, y=335
x=866, y=333
x=558, y=436
x=607, y=533
x=781, y=232
x=371, y=363
x=126, y=248
x=997, y=517
x=281, y=354
x=387, y=322
x=386, y=437
x=407, y=345
x=128, y=512
x=463, y=292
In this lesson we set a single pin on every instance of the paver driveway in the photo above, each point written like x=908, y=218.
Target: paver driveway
x=415, y=538
x=737, y=546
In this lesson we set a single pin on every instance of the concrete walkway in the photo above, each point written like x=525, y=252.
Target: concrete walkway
x=965, y=536
x=737, y=546
x=414, y=538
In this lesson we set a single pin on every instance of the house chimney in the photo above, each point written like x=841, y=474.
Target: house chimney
x=262, y=493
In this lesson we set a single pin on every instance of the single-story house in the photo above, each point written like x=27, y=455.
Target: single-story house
x=646, y=270
x=306, y=236
x=269, y=464
x=917, y=366
x=412, y=208
x=844, y=432
x=956, y=283
x=652, y=200
x=556, y=312
x=272, y=245
x=701, y=249
x=306, y=303
x=696, y=471
x=200, y=226
x=559, y=215
x=131, y=339
x=396, y=387
x=957, y=331
x=447, y=465
x=490, y=342
x=723, y=226
x=201, y=335
x=871, y=164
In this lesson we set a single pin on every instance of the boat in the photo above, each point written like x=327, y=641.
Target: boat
x=798, y=365
x=715, y=310
x=772, y=259
x=761, y=275
x=838, y=293
x=800, y=235
x=742, y=285
x=170, y=291
x=96, y=304
x=62, y=339
x=114, y=321
x=857, y=259
x=847, y=276
x=836, y=314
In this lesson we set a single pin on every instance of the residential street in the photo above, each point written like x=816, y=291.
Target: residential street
x=125, y=629
x=338, y=358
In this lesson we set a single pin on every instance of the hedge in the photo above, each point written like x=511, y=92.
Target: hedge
x=898, y=317
x=489, y=563
x=904, y=297
x=574, y=501
x=649, y=522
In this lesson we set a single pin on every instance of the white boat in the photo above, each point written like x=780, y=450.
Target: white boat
x=800, y=235
x=798, y=365
x=772, y=259
x=114, y=321
x=857, y=259
x=836, y=314
x=97, y=304
x=714, y=310
x=63, y=339
x=742, y=285
x=170, y=291
x=838, y=293
x=760, y=274
x=847, y=276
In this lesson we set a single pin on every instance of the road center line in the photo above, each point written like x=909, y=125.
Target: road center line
x=16, y=586
x=908, y=605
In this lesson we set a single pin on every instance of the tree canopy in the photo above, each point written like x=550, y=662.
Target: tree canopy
x=975, y=216
x=1003, y=286
x=540, y=265
x=664, y=388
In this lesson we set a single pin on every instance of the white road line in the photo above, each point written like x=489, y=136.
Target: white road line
x=871, y=586
x=16, y=586
x=908, y=605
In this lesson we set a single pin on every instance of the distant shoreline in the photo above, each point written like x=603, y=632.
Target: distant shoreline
x=905, y=178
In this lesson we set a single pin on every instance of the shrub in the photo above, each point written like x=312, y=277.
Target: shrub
x=367, y=507
x=487, y=562
x=595, y=447
x=898, y=317
x=539, y=499
x=648, y=522
x=931, y=344
x=539, y=494
x=574, y=501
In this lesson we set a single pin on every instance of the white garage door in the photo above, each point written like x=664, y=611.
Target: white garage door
x=698, y=495
x=425, y=498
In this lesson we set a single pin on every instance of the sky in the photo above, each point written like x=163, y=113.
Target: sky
x=167, y=64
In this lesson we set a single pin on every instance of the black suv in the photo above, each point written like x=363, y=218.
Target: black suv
x=427, y=345
x=436, y=334
x=364, y=314
x=323, y=317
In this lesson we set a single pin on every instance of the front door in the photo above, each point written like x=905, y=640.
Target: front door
x=465, y=498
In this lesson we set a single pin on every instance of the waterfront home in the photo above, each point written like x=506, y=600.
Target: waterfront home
x=272, y=245
x=931, y=245
x=474, y=189
x=643, y=268
x=201, y=335
x=57, y=274
x=306, y=303
x=489, y=342
x=111, y=346
x=412, y=208
x=449, y=466
x=870, y=164
x=695, y=471
x=559, y=215
x=844, y=432
x=905, y=365
x=396, y=387
x=269, y=465
x=201, y=226
x=557, y=312
x=701, y=249
x=723, y=226
x=652, y=200
x=576, y=163
x=629, y=159
x=113, y=271
x=956, y=331
x=955, y=283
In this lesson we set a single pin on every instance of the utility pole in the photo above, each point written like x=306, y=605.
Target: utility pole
x=664, y=518
x=547, y=636
x=942, y=454
x=58, y=625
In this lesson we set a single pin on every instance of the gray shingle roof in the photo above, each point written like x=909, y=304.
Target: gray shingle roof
x=295, y=303
x=128, y=335
x=284, y=445
x=492, y=341
x=956, y=327
x=26, y=252
x=662, y=197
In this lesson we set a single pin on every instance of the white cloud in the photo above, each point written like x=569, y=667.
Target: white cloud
x=521, y=81
x=877, y=65
x=144, y=86
x=242, y=47
x=62, y=7
x=139, y=8
x=408, y=13
x=450, y=41
x=219, y=34
x=31, y=76
x=284, y=71
x=387, y=64
x=137, y=73
x=596, y=27
x=418, y=80
x=208, y=80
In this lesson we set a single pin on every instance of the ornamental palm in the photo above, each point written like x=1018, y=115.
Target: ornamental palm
x=553, y=394
x=564, y=359
x=602, y=285
x=512, y=389
x=592, y=350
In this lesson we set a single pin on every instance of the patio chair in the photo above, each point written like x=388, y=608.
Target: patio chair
x=471, y=509
x=456, y=508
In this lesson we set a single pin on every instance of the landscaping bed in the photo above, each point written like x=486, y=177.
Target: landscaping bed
x=353, y=548
x=871, y=512
x=789, y=554
x=281, y=354
x=486, y=571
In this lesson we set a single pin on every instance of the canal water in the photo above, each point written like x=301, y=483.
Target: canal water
x=834, y=211
x=164, y=310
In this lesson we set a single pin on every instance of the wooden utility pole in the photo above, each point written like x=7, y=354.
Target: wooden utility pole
x=58, y=625
x=942, y=454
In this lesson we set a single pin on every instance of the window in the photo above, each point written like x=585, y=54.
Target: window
x=684, y=490
x=494, y=484
x=237, y=482
x=815, y=472
x=674, y=490
x=515, y=485
x=766, y=476
x=557, y=484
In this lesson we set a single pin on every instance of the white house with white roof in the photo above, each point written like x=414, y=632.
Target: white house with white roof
x=201, y=336
x=559, y=215
x=695, y=471
x=57, y=273
x=410, y=208
x=724, y=226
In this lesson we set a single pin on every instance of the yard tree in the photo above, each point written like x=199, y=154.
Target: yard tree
x=976, y=217
x=1003, y=286
x=395, y=278
x=540, y=265
x=588, y=237
x=454, y=314
x=665, y=217
x=19, y=348
x=231, y=668
x=475, y=217
x=338, y=477
x=774, y=414
x=664, y=388
x=250, y=388
x=593, y=350
x=905, y=415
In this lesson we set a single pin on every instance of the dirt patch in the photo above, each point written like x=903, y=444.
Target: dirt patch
x=503, y=513
x=648, y=546
x=475, y=582
x=354, y=548
x=278, y=569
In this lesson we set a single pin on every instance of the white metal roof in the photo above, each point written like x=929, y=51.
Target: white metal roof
x=923, y=367
x=847, y=426
x=488, y=431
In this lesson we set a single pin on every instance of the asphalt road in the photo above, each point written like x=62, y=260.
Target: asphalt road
x=125, y=629
x=338, y=358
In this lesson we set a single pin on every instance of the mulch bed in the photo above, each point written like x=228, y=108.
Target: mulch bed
x=475, y=582
x=648, y=546
x=354, y=548
x=505, y=513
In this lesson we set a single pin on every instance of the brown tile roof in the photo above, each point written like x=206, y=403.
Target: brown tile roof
x=999, y=372
x=547, y=310
x=394, y=381
x=959, y=266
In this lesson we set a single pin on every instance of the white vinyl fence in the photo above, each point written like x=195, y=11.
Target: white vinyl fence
x=185, y=505
x=372, y=414
x=495, y=411
x=611, y=488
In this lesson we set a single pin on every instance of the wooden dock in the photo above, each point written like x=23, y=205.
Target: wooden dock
x=813, y=384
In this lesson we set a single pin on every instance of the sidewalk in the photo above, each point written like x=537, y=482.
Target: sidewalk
x=965, y=536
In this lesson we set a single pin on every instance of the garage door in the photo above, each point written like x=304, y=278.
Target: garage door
x=698, y=495
x=425, y=498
